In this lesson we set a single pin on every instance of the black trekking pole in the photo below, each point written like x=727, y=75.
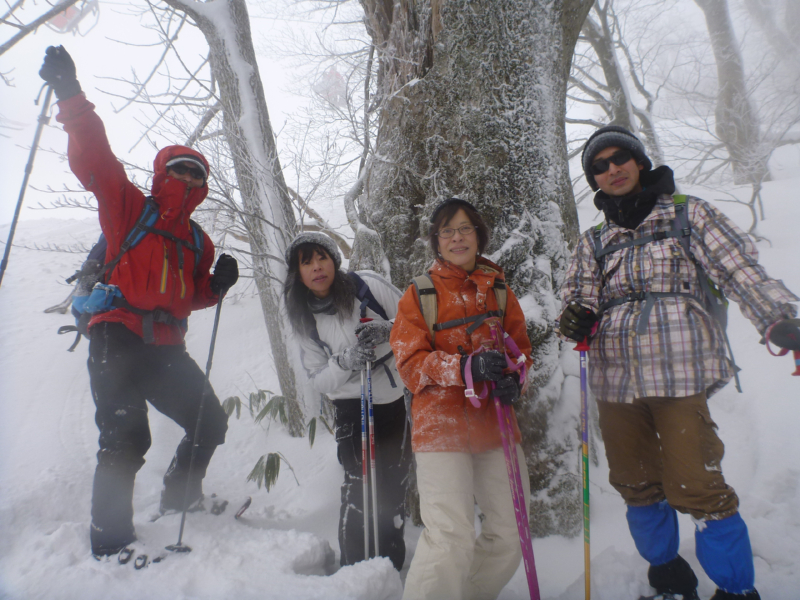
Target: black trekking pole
x=43, y=120
x=180, y=547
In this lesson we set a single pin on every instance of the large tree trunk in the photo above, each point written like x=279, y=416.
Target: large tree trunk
x=269, y=217
x=736, y=120
x=472, y=96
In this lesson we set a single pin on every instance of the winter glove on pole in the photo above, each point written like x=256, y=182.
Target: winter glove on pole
x=58, y=71
x=786, y=334
x=373, y=333
x=355, y=358
x=226, y=273
x=486, y=366
x=577, y=322
x=507, y=389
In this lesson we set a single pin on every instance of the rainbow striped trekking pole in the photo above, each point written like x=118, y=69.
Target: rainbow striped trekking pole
x=503, y=342
x=583, y=348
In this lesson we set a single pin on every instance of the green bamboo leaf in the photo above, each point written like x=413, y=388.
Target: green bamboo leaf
x=325, y=422
x=312, y=431
x=272, y=470
x=231, y=404
x=257, y=474
x=264, y=412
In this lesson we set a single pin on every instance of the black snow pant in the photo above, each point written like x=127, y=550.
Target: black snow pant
x=393, y=459
x=125, y=373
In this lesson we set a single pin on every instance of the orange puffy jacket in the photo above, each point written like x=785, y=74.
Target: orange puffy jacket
x=443, y=419
x=149, y=275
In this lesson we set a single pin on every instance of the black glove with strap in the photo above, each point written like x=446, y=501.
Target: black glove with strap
x=486, y=366
x=508, y=389
x=58, y=71
x=786, y=334
x=577, y=322
x=226, y=273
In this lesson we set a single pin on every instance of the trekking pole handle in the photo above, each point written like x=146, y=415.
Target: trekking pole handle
x=583, y=345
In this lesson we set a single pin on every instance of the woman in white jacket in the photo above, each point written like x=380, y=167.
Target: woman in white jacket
x=324, y=306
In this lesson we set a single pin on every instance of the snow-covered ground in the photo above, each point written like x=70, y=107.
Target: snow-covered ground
x=283, y=546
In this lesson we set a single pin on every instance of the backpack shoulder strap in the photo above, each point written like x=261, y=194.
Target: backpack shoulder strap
x=428, y=303
x=681, y=226
x=501, y=294
x=146, y=220
x=199, y=242
x=366, y=297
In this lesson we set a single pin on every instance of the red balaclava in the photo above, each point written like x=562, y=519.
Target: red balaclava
x=170, y=193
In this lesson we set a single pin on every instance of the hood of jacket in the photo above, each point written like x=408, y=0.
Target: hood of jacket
x=170, y=193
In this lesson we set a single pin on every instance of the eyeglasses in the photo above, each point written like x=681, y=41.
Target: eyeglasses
x=182, y=168
x=618, y=158
x=450, y=232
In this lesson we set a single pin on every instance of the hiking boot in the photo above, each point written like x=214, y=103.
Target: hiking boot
x=674, y=577
x=107, y=543
x=721, y=595
x=172, y=498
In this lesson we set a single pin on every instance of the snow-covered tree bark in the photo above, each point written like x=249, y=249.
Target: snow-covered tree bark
x=472, y=104
x=737, y=124
x=270, y=219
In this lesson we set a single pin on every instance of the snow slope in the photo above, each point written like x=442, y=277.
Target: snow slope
x=285, y=546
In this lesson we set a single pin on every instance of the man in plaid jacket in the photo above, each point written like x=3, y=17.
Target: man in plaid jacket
x=658, y=354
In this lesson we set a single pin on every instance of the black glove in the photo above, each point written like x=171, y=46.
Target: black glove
x=508, y=389
x=226, y=273
x=373, y=333
x=577, y=321
x=786, y=334
x=58, y=70
x=486, y=366
x=355, y=358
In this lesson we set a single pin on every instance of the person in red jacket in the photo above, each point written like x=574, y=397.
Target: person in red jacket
x=136, y=352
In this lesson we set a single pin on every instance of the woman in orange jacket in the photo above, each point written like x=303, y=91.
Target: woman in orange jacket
x=457, y=445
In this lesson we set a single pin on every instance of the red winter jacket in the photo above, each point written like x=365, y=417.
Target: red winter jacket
x=148, y=275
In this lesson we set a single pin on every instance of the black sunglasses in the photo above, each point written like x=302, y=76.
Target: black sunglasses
x=619, y=158
x=183, y=168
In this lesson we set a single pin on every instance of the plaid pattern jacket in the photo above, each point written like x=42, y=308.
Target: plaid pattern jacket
x=682, y=351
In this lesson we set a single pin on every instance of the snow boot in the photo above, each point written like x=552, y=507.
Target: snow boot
x=722, y=595
x=174, y=492
x=674, y=577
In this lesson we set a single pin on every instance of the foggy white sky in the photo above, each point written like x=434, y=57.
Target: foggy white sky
x=99, y=56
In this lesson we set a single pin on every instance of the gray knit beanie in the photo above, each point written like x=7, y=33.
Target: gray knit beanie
x=315, y=237
x=612, y=135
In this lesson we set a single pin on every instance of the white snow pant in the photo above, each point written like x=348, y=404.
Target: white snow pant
x=450, y=563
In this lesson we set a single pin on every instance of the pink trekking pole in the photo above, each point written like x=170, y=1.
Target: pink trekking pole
x=517, y=495
x=502, y=342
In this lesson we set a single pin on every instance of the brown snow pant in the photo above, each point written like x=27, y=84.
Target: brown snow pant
x=661, y=448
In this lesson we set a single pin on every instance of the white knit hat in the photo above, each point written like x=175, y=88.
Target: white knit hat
x=315, y=237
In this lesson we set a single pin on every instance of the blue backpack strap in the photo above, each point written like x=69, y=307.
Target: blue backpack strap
x=365, y=296
x=143, y=226
x=199, y=242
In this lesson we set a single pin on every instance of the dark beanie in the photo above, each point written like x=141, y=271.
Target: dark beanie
x=612, y=135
